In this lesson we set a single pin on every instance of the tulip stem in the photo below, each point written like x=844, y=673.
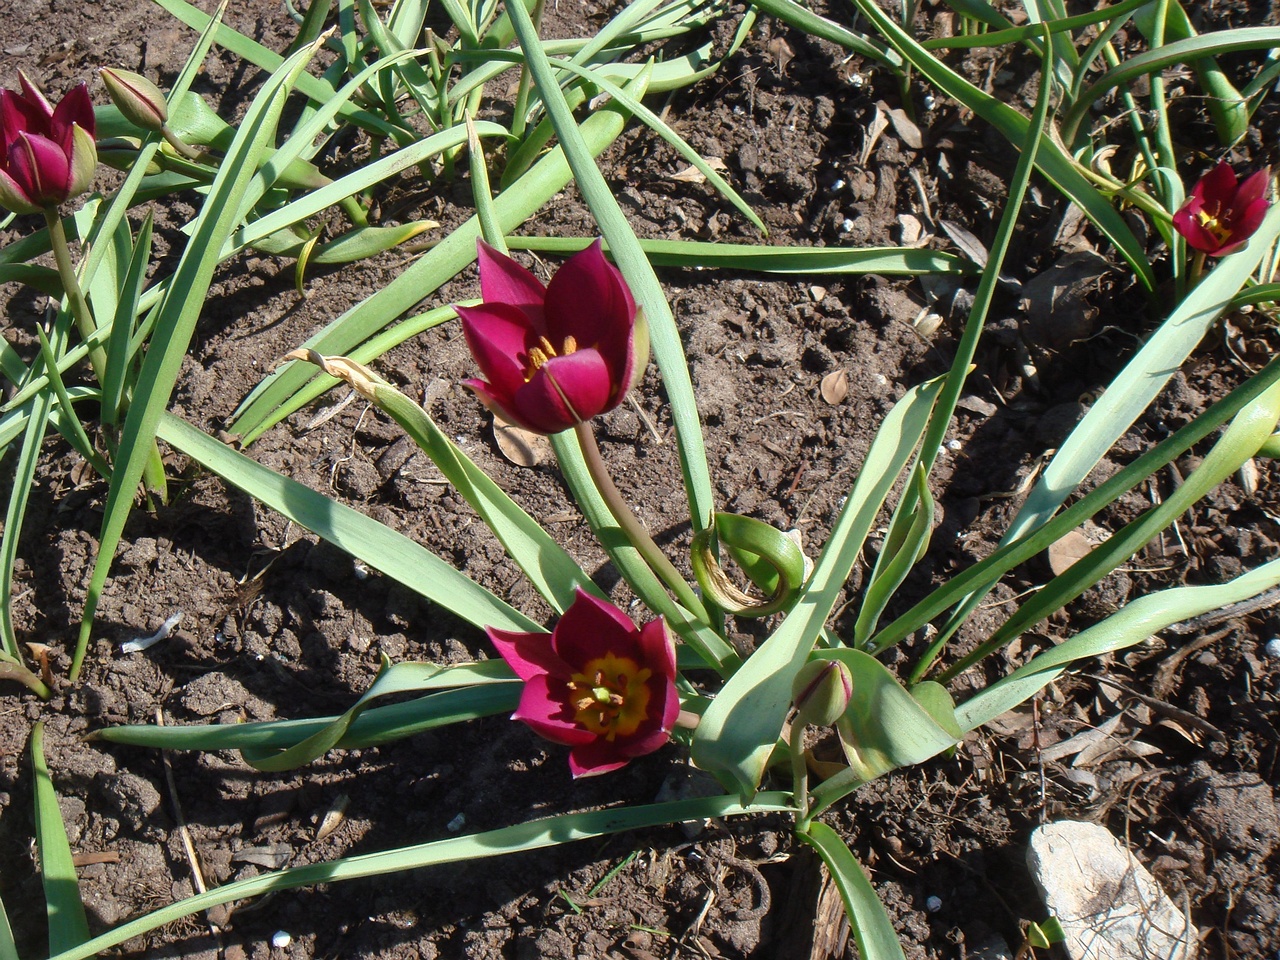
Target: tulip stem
x=183, y=148
x=1197, y=267
x=799, y=770
x=632, y=526
x=75, y=296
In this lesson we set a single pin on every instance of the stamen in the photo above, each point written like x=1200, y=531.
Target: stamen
x=537, y=358
x=570, y=345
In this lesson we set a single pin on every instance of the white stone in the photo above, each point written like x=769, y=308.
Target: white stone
x=1109, y=905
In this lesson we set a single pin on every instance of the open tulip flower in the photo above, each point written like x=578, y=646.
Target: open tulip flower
x=1223, y=212
x=554, y=356
x=47, y=154
x=596, y=684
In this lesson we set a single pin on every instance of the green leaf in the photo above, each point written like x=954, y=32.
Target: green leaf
x=1054, y=162
x=455, y=694
x=175, y=325
x=524, y=837
x=68, y=925
x=549, y=567
x=897, y=261
x=872, y=929
x=1137, y=621
x=371, y=542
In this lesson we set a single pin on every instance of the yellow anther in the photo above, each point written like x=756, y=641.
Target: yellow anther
x=570, y=345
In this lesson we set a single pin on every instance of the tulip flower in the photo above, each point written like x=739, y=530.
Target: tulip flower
x=1223, y=212
x=596, y=684
x=47, y=154
x=557, y=356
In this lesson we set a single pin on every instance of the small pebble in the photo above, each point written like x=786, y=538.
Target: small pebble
x=1273, y=650
x=281, y=939
x=456, y=824
x=954, y=445
x=933, y=904
x=847, y=226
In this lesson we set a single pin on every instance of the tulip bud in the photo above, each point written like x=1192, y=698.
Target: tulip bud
x=139, y=100
x=821, y=692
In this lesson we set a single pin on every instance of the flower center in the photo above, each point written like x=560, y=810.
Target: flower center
x=545, y=351
x=610, y=697
x=1216, y=222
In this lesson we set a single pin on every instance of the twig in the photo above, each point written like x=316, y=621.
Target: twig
x=197, y=875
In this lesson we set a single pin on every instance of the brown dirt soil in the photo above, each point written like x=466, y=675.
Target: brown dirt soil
x=276, y=624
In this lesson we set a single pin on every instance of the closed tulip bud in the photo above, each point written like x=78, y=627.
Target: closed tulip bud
x=139, y=100
x=821, y=692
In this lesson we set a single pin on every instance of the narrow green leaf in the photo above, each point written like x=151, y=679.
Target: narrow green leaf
x=1137, y=621
x=552, y=571
x=176, y=323
x=1180, y=51
x=904, y=261
x=373, y=543
x=904, y=545
x=802, y=18
x=454, y=694
x=37, y=419
x=872, y=928
x=1055, y=163
x=68, y=925
x=8, y=947
x=118, y=354
x=313, y=87
x=525, y=837
x=1142, y=380
x=1248, y=431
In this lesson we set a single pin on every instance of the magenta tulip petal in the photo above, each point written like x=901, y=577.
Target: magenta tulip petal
x=498, y=339
x=1252, y=189
x=74, y=108
x=1218, y=185
x=657, y=647
x=593, y=759
x=502, y=280
x=35, y=97
x=566, y=391
x=17, y=115
x=591, y=627
x=588, y=300
x=497, y=406
x=528, y=654
x=41, y=167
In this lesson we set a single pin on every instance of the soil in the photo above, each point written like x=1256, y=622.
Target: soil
x=276, y=624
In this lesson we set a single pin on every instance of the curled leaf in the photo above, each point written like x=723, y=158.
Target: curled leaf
x=772, y=561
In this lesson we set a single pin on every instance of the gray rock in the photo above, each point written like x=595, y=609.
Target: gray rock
x=1109, y=905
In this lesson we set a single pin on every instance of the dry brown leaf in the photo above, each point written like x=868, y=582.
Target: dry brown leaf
x=835, y=387
x=906, y=129
x=522, y=447
x=1074, y=546
x=692, y=174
